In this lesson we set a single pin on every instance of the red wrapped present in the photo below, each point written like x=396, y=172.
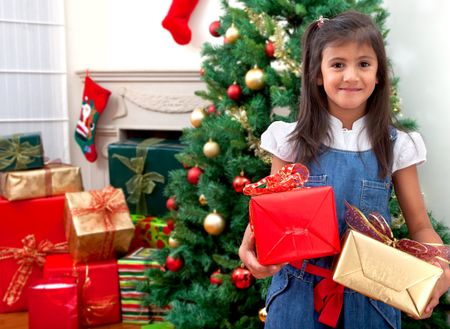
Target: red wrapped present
x=29, y=230
x=53, y=304
x=292, y=223
x=98, y=286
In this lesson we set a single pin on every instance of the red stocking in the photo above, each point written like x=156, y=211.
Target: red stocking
x=95, y=98
x=176, y=20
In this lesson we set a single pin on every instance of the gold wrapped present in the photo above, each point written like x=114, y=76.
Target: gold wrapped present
x=370, y=265
x=98, y=224
x=53, y=179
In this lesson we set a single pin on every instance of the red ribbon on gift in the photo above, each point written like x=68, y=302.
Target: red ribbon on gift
x=376, y=227
x=31, y=254
x=287, y=178
x=106, y=202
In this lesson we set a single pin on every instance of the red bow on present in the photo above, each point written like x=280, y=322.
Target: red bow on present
x=376, y=227
x=287, y=178
x=31, y=254
x=107, y=202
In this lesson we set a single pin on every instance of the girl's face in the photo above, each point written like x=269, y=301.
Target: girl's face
x=349, y=76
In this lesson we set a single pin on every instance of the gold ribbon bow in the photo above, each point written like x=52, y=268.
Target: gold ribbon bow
x=13, y=151
x=31, y=254
x=141, y=183
x=106, y=202
x=376, y=227
x=287, y=178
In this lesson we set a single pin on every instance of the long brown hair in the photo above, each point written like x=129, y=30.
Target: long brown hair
x=312, y=128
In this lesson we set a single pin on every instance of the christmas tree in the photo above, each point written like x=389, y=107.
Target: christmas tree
x=252, y=79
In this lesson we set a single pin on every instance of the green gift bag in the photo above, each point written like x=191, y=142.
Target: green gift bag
x=21, y=152
x=141, y=168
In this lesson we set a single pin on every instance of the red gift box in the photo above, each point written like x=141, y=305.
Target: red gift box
x=292, y=224
x=53, y=305
x=99, y=293
x=36, y=224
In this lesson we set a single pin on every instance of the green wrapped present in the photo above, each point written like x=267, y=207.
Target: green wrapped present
x=140, y=168
x=159, y=233
x=21, y=151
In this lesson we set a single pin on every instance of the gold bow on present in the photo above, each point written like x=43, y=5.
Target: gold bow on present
x=141, y=183
x=13, y=151
x=31, y=254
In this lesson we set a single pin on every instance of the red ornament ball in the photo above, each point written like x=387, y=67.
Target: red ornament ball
x=174, y=263
x=213, y=27
x=216, y=278
x=239, y=183
x=234, y=92
x=202, y=72
x=171, y=203
x=211, y=109
x=241, y=278
x=270, y=49
x=193, y=175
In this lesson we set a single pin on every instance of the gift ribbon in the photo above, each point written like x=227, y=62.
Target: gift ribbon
x=376, y=227
x=31, y=254
x=13, y=151
x=106, y=202
x=328, y=295
x=140, y=183
x=93, y=309
x=287, y=178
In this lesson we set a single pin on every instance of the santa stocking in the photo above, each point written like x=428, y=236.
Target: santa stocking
x=94, y=102
x=177, y=19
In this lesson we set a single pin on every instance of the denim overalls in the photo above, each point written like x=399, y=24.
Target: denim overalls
x=290, y=299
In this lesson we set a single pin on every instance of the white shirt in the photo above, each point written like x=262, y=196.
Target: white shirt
x=409, y=148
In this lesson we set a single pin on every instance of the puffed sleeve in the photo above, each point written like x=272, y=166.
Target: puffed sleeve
x=275, y=140
x=409, y=149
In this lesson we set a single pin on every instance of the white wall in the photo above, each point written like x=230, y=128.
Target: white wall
x=127, y=35
x=419, y=46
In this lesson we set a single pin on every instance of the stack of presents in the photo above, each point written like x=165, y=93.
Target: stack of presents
x=76, y=258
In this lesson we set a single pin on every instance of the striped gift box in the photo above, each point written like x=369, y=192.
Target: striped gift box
x=132, y=273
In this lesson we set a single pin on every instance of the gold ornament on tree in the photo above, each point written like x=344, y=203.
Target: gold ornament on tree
x=254, y=79
x=211, y=149
x=197, y=117
x=173, y=242
x=202, y=200
x=262, y=314
x=232, y=34
x=213, y=223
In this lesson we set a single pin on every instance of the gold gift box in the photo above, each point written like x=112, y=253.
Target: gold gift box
x=53, y=179
x=381, y=272
x=97, y=232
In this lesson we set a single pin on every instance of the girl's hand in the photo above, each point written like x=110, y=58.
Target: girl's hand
x=441, y=288
x=248, y=256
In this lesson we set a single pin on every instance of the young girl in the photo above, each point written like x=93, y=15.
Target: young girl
x=345, y=136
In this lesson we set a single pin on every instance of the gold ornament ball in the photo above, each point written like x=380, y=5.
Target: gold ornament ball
x=254, y=79
x=173, y=243
x=202, y=200
x=262, y=314
x=232, y=34
x=211, y=149
x=214, y=224
x=197, y=117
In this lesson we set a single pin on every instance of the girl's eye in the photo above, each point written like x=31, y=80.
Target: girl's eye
x=338, y=65
x=364, y=64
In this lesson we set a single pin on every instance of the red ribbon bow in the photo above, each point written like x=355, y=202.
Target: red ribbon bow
x=31, y=254
x=107, y=202
x=376, y=227
x=287, y=178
